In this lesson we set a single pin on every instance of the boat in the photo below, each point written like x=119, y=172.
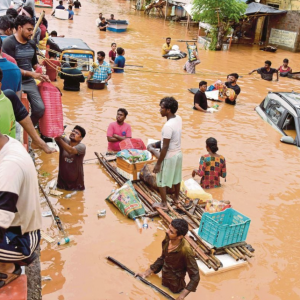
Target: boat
x=117, y=25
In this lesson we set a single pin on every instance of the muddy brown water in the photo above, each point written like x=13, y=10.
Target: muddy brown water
x=263, y=174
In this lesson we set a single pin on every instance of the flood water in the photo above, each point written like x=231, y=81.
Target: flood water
x=263, y=174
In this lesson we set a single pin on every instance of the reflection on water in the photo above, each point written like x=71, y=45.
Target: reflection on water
x=263, y=174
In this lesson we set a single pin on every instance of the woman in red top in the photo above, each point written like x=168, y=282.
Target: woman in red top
x=212, y=166
x=284, y=69
x=112, y=53
x=52, y=66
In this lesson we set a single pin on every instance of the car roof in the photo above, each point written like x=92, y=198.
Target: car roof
x=293, y=98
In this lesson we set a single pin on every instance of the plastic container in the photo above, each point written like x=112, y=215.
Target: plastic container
x=193, y=190
x=70, y=195
x=138, y=223
x=224, y=228
x=145, y=223
x=66, y=240
x=101, y=213
x=51, y=124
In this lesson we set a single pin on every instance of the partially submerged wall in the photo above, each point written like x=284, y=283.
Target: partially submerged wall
x=290, y=23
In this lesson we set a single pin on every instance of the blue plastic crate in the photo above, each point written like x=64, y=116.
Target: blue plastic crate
x=224, y=228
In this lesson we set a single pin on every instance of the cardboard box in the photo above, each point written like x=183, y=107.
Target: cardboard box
x=132, y=171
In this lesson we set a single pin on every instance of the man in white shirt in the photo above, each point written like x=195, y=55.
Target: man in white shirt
x=5, y=5
x=20, y=212
x=169, y=163
x=98, y=20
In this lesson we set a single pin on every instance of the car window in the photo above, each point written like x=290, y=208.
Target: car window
x=266, y=102
x=274, y=111
x=289, y=126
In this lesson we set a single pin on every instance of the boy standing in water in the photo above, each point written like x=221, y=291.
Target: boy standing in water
x=120, y=60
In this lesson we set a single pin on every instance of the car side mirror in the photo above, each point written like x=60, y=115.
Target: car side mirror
x=287, y=140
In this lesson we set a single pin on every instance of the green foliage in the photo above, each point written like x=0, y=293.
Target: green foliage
x=229, y=10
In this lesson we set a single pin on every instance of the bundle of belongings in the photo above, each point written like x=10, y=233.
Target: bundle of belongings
x=191, y=49
x=127, y=201
x=133, y=155
x=175, y=53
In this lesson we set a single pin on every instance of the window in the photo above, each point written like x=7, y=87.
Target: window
x=289, y=126
x=274, y=111
x=265, y=103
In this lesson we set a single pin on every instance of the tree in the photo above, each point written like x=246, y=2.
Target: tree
x=219, y=14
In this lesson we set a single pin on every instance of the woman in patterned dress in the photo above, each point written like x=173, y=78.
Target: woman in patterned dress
x=212, y=166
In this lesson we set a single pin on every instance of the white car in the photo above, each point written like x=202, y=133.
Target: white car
x=282, y=111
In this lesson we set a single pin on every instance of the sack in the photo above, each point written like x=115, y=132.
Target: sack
x=147, y=175
x=193, y=190
x=191, y=49
x=126, y=200
x=134, y=155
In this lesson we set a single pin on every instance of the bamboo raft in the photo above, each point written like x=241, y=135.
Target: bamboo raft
x=148, y=196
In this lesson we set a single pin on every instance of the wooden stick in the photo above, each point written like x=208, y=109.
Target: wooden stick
x=239, y=253
x=55, y=216
x=140, y=278
x=247, y=252
x=231, y=254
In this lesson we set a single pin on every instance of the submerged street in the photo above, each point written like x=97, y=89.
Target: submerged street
x=263, y=173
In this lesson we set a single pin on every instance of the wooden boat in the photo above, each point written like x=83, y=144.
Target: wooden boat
x=117, y=25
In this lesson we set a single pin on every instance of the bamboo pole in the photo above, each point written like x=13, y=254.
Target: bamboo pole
x=37, y=25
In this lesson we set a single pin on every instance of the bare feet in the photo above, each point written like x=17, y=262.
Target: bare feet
x=160, y=205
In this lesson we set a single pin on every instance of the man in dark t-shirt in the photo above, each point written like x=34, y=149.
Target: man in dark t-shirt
x=71, y=155
x=23, y=50
x=103, y=24
x=231, y=84
x=77, y=4
x=72, y=77
x=266, y=72
x=200, y=100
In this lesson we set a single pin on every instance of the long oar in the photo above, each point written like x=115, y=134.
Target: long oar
x=55, y=216
x=140, y=278
x=134, y=66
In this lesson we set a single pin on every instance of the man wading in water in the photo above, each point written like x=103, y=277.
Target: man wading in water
x=169, y=163
x=71, y=155
x=176, y=260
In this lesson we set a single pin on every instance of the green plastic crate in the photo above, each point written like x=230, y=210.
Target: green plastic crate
x=224, y=228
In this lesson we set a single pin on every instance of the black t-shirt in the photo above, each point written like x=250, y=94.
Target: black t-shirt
x=24, y=54
x=103, y=24
x=72, y=83
x=265, y=74
x=77, y=4
x=19, y=109
x=236, y=89
x=200, y=98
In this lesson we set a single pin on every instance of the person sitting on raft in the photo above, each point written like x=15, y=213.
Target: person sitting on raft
x=166, y=47
x=200, y=100
x=284, y=70
x=212, y=166
x=118, y=131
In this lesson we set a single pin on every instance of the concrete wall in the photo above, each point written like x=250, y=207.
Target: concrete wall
x=289, y=22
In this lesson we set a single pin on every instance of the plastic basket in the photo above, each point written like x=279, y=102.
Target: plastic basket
x=224, y=228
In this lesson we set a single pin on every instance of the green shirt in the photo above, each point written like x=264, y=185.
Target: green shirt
x=7, y=117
